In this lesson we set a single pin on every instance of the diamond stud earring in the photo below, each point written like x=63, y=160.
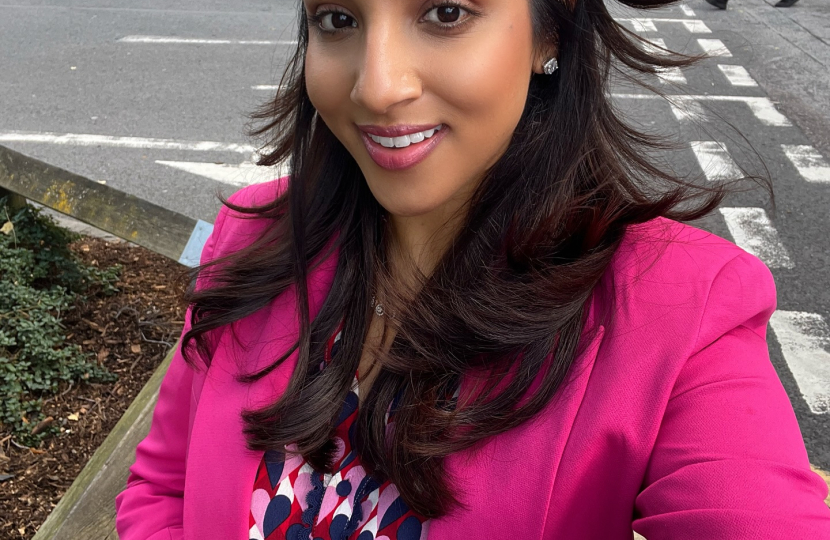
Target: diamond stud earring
x=551, y=66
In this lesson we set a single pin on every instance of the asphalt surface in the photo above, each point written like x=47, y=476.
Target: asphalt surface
x=66, y=69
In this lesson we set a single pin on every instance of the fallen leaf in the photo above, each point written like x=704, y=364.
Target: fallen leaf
x=7, y=228
x=74, y=417
x=135, y=348
x=103, y=354
x=83, y=410
x=85, y=248
x=43, y=424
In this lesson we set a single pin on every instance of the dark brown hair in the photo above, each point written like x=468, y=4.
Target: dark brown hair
x=509, y=296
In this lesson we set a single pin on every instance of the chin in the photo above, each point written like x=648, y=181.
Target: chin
x=408, y=209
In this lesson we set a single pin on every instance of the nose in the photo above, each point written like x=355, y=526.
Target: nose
x=386, y=70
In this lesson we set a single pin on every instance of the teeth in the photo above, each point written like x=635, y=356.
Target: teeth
x=401, y=142
x=405, y=140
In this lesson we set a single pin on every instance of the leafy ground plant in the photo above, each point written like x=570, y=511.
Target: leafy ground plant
x=40, y=280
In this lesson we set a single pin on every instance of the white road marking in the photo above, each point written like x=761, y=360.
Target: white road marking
x=243, y=174
x=809, y=162
x=199, y=41
x=687, y=11
x=646, y=24
x=715, y=161
x=696, y=26
x=77, y=139
x=687, y=110
x=752, y=230
x=805, y=339
x=640, y=25
x=666, y=75
x=737, y=75
x=714, y=47
x=268, y=87
x=761, y=107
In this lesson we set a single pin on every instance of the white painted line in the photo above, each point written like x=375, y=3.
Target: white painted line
x=640, y=25
x=687, y=110
x=243, y=174
x=268, y=87
x=715, y=161
x=752, y=230
x=761, y=107
x=671, y=75
x=667, y=75
x=737, y=75
x=809, y=162
x=696, y=26
x=805, y=339
x=77, y=139
x=646, y=24
x=714, y=47
x=197, y=41
x=687, y=11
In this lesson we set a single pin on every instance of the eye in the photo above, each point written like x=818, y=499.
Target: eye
x=333, y=21
x=447, y=15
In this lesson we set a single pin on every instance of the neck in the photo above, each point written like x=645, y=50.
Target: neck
x=419, y=242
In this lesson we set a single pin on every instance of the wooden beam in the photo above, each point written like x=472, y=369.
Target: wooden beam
x=161, y=230
x=87, y=510
x=14, y=203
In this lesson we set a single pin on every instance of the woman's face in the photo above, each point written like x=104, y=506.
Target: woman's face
x=388, y=72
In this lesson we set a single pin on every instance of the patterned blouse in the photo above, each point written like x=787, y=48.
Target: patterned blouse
x=292, y=501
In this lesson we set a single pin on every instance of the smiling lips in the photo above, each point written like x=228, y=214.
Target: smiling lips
x=401, y=147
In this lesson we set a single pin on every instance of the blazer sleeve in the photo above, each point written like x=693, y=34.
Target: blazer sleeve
x=150, y=508
x=729, y=461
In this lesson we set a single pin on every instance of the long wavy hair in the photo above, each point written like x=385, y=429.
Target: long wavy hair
x=507, y=301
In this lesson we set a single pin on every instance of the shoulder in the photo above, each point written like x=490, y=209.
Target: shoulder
x=704, y=284
x=233, y=230
x=260, y=194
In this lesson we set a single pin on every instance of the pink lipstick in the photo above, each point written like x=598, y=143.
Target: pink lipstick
x=403, y=146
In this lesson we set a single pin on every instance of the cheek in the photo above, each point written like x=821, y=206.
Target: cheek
x=327, y=80
x=489, y=88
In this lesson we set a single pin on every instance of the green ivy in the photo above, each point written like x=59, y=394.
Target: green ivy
x=40, y=278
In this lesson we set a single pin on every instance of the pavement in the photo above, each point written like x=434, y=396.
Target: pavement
x=152, y=99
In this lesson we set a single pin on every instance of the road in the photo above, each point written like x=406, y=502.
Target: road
x=152, y=99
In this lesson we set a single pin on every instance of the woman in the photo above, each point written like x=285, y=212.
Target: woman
x=471, y=312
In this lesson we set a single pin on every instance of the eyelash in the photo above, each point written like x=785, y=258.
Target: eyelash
x=317, y=19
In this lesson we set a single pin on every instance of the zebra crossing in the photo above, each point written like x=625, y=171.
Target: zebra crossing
x=801, y=337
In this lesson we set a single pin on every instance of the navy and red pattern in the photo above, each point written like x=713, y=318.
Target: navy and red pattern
x=292, y=501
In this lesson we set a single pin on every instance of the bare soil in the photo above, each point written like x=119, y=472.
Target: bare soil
x=130, y=333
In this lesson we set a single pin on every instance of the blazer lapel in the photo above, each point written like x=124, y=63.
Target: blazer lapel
x=507, y=482
x=220, y=467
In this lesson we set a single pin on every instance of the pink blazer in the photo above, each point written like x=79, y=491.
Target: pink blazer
x=674, y=422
